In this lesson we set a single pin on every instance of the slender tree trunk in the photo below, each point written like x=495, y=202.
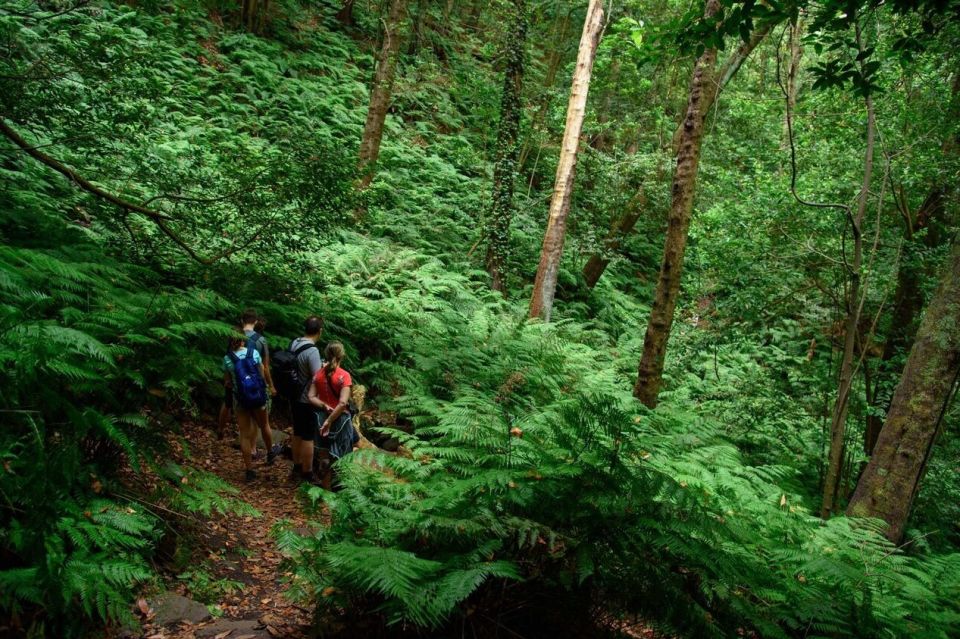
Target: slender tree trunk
x=508, y=134
x=908, y=296
x=545, y=284
x=553, y=67
x=598, y=262
x=890, y=482
x=380, y=94
x=650, y=370
x=729, y=68
x=345, y=14
x=793, y=69
x=838, y=421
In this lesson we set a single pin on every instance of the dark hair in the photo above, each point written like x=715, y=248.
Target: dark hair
x=236, y=340
x=333, y=352
x=259, y=325
x=249, y=316
x=313, y=325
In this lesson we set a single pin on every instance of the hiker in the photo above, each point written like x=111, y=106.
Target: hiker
x=251, y=322
x=249, y=394
x=305, y=420
x=330, y=394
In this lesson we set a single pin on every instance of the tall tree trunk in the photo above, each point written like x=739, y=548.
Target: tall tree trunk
x=729, y=68
x=380, y=94
x=650, y=370
x=508, y=133
x=598, y=262
x=545, y=284
x=890, y=482
x=793, y=69
x=345, y=14
x=908, y=296
x=838, y=420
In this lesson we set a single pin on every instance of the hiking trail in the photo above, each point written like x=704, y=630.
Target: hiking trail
x=238, y=549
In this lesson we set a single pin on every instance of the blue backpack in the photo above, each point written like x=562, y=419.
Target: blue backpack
x=251, y=389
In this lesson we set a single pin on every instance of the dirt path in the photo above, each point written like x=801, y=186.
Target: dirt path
x=234, y=564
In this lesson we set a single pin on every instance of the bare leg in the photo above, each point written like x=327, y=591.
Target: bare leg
x=306, y=456
x=263, y=420
x=325, y=470
x=223, y=420
x=295, y=445
x=248, y=437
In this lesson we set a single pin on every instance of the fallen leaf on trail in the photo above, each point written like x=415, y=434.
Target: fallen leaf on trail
x=266, y=601
x=274, y=632
x=143, y=606
x=223, y=634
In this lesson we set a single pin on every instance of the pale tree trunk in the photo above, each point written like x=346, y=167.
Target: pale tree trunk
x=596, y=264
x=558, y=34
x=650, y=370
x=838, y=420
x=545, y=284
x=508, y=133
x=889, y=484
x=380, y=94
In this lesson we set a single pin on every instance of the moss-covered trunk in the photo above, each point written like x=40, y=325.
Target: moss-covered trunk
x=889, y=484
x=507, y=150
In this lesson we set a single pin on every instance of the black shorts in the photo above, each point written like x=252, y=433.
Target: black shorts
x=306, y=422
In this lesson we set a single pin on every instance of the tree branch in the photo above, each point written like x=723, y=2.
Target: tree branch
x=159, y=219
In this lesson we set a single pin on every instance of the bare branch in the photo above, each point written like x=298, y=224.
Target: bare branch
x=159, y=219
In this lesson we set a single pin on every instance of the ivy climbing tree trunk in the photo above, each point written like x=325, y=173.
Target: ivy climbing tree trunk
x=890, y=482
x=507, y=150
x=854, y=303
x=650, y=371
x=545, y=284
x=380, y=94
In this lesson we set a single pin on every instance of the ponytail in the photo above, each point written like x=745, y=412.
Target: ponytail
x=334, y=354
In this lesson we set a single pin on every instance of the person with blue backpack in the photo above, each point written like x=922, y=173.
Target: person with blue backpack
x=243, y=369
x=253, y=325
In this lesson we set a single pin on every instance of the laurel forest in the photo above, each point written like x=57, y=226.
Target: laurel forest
x=633, y=318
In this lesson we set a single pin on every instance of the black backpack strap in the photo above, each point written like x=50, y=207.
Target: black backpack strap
x=303, y=348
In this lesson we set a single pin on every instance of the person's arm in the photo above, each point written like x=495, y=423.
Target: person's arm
x=313, y=398
x=337, y=412
x=266, y=369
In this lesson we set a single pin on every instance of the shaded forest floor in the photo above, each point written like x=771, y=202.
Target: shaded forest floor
x=233, y=562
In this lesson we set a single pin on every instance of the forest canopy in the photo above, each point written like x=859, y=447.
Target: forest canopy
x=649, y=314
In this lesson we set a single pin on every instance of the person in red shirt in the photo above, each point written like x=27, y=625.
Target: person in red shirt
x=330, y=393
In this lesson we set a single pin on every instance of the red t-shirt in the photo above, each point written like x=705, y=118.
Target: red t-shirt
x=331, y=397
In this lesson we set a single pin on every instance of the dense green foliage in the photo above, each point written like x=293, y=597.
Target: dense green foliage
x=528, y=460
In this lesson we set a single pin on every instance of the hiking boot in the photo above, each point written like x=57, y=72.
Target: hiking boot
x=250, y=475
x=309, y=478
x=271, y=455
x=294, y=473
